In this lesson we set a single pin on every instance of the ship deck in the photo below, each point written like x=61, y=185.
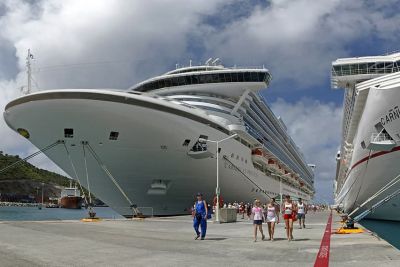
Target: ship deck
x=169, y=242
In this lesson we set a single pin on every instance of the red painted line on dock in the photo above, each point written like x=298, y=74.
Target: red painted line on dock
x=322, y=259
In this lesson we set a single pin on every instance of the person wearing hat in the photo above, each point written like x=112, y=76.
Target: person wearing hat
x=200, y=217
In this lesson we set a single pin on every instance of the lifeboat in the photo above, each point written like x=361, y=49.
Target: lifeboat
x=259, y=156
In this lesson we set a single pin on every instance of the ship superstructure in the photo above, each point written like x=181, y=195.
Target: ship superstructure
x=145, y=147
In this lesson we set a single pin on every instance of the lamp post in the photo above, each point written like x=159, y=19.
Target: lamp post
x=280, y=185
x=217, y=190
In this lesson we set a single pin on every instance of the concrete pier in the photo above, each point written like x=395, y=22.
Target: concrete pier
x=170, y=242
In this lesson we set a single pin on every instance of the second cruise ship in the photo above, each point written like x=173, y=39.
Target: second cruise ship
x=152, y=147
x=367, y=183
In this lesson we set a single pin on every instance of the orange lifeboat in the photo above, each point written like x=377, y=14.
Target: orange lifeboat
x=258, y=156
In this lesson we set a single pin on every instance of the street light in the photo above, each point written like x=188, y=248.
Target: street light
x=217, y=191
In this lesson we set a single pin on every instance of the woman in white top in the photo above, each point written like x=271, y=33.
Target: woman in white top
x=288, y=210
x=258, y=217
x=272, y=218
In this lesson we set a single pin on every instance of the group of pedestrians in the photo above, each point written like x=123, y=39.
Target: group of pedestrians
x=291, y=212
x=269, y=214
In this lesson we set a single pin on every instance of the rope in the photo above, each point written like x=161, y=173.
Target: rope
x=377, y=205
x=87, y=172
x=237, y=168
x=380, y=191
x=75, y=173
x=30, y=156
x=101, y=164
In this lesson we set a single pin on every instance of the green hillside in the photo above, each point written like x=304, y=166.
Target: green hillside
x=26, y=171
x=26, y=179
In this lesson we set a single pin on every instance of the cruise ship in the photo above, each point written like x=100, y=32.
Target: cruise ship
x=150, y=148
x=368, y=170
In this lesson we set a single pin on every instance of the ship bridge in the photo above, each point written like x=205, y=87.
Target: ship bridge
x=346, y=72
x=228, y=82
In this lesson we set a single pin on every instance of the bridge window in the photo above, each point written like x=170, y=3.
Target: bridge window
x=206, y=78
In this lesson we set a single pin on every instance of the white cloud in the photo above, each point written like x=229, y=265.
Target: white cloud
x=138, y=39
x=316, y=129
x=296, y=40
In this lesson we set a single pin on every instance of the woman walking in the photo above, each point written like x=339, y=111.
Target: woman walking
x=288, y=211
x=200, y=217
x=258, y=217
x=272, y=218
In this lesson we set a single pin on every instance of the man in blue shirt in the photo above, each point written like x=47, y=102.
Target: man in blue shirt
x=200, y=216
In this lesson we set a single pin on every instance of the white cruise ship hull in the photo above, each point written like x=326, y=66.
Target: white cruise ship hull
x=149, y=150
x=371, y=171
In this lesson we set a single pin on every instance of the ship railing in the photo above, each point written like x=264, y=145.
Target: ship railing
x=380, y=137
x=247, y=67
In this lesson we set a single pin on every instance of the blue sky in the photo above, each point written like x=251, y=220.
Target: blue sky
x=295, y=39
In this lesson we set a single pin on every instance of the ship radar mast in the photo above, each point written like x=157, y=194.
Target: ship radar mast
x=29, y=57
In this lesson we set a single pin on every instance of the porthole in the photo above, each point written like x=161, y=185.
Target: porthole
x=114, y=135
x=186, y=142
x=232, y=155
x=68, y=133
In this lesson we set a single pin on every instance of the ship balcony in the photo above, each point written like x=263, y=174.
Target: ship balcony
x=381, y=142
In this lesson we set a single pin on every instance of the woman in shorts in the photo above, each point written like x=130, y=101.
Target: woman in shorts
x=258, y=216
x=288, y=209
x=272, y=218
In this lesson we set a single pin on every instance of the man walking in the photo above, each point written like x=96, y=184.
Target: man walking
x=200, y=217
x=301, y=213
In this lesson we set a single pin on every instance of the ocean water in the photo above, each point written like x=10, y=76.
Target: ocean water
x=34, y=214
x=388, y=230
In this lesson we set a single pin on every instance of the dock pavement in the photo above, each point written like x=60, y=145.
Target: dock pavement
x=169, y=241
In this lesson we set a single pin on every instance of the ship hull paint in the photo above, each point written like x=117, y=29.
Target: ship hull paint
x=149, y=149
x=71, y=202
x=371, y=170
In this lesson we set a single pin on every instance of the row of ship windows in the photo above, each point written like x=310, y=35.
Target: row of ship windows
x=271, y=128
x=69, y=133
x=237, y=158
x=366, y=68
x=205, y=78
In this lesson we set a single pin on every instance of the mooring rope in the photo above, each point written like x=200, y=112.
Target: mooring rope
x=76, y=174
x=108, y=173
x=87, y=172
x=31, y=156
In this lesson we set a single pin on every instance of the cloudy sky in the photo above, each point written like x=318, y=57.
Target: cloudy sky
x=114, y=44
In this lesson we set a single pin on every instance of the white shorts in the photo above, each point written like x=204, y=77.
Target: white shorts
x=271, y=219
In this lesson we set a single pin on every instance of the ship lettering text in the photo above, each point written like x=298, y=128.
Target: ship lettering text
x=393, y=114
